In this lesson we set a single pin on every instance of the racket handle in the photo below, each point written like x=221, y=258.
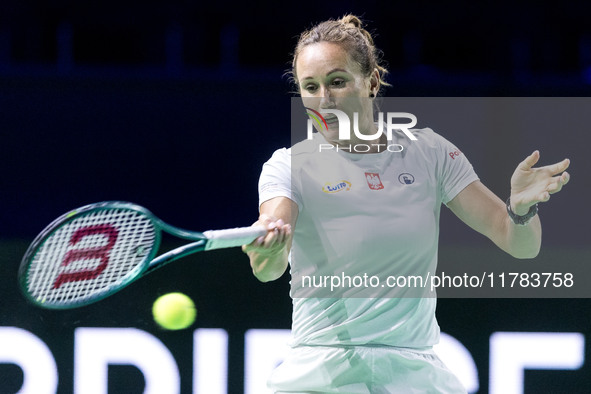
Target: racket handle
x=218, y=239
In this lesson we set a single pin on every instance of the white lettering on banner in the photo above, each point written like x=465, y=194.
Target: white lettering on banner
x=263, y=351
x=31, y=354
x=513, y=352
x=96, y=348
x=459, y=360
x=210, y=361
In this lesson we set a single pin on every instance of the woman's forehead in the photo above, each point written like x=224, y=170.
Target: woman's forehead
x=323, y=58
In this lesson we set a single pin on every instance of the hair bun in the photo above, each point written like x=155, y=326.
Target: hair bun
x=352, y=19
x=349, y=33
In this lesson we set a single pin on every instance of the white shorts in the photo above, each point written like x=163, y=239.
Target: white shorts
x=362, y=369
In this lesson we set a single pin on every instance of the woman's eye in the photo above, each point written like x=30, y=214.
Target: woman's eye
x=338, y=82
x=310, y=88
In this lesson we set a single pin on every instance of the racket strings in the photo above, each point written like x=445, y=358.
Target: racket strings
x=90, y=256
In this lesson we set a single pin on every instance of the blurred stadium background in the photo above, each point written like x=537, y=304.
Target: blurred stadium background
x=176, y=105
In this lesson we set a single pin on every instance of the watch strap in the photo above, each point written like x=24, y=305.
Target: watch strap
x=521, y=220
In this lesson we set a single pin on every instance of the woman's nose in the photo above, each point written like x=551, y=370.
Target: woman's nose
x=326, y=98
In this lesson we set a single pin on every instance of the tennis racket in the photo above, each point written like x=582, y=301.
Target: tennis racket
x=94, y=251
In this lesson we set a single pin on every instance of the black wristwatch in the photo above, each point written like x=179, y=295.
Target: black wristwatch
x=524, y=219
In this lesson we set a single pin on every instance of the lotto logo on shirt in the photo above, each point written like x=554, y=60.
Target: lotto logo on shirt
x=339, y=187
x=373, y=181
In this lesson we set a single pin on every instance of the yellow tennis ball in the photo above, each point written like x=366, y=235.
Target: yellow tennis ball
x=174, y=311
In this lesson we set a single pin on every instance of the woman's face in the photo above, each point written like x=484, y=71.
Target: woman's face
x=329, y=78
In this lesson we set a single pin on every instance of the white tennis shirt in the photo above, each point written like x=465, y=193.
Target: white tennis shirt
x=367, y=224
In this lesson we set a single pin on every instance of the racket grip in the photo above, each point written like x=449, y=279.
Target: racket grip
x=218, y=239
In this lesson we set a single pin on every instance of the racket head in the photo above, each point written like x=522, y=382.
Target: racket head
x=88, y=254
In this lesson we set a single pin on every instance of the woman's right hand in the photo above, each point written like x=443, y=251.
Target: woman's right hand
x=278, y=233
x=268, y=253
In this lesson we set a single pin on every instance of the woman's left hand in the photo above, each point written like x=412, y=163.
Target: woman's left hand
x=530, y=185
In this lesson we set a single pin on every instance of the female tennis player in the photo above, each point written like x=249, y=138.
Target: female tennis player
x=339, y=212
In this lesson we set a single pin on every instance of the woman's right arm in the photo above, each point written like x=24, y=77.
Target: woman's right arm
x=268, y=254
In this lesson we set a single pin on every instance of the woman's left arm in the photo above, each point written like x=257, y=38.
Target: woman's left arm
x=486, y=213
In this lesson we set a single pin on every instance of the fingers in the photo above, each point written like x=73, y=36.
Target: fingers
x=556, y=185
x=277, y=234
x=275, y=238
x=266, y=220
x=565, y=177
x=533, y=185
x=558, y=167
x=551, y=170
x=544, y=197
x=532, y=159
x=529, y=161
x=553, y=187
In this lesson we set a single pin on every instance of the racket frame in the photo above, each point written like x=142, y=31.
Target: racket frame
x=149, y=263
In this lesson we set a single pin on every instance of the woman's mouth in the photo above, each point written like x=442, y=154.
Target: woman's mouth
x=331, y=119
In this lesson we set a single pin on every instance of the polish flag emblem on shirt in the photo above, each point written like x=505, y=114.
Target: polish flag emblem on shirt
x=373, y=181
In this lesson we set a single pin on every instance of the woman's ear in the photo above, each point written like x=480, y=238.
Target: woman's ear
x=374, y=83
